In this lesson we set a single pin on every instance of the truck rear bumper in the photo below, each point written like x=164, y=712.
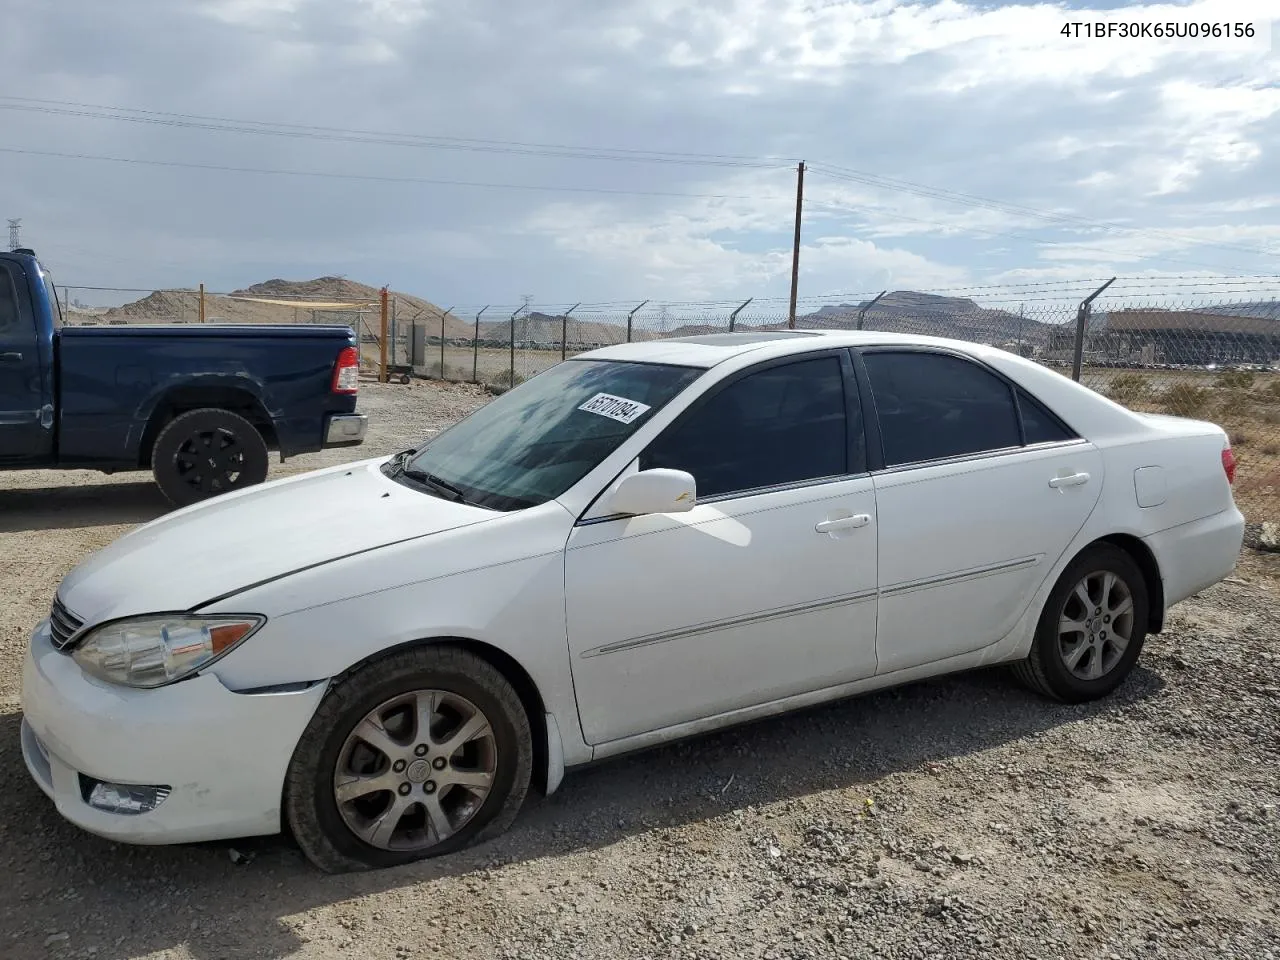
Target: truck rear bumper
x=345, y=429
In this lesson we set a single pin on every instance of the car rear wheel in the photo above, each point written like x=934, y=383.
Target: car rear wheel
x=412, y=756
x=202, y=453
x=1092, y=628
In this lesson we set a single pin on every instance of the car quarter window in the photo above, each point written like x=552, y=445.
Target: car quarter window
x=782, y=424
x=1038, y=424
x=931, y=406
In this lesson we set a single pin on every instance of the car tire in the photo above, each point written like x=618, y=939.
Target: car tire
x=202, y=453
x=1077, y=655
x=354, y=806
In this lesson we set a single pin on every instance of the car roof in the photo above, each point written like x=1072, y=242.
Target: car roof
x=708, y=350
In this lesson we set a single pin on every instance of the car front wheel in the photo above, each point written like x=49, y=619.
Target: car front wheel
x=1092, y=628
x=415, y=755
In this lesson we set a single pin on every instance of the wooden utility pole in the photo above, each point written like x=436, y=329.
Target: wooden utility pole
x=382, y=336
x=795, y=247
x=202, y=303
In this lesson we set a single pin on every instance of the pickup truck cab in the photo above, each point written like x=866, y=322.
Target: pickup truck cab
x=200, y=406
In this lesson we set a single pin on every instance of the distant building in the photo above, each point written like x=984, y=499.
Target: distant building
x=1192, y=337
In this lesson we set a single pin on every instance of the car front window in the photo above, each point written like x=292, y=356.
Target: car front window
x=533, y=443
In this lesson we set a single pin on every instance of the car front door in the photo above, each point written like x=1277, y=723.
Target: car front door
x=979, y=491
x=26, y=412
x=765, y=589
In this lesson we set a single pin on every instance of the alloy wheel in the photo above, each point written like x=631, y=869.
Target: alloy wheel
x=1096, y=625
x=415, y=770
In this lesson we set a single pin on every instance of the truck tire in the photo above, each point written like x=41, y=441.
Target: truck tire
x=202, y=453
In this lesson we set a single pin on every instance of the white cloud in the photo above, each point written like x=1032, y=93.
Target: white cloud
x=977, y=99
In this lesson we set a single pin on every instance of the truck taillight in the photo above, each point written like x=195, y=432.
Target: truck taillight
x=1228, y=462
x=346, y=372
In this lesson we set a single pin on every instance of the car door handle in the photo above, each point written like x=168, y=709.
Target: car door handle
x=10, y=357
x=1071, y=480
x=844, y=523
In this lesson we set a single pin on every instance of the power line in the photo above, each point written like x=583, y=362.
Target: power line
x=375, y=178
x=342, y=135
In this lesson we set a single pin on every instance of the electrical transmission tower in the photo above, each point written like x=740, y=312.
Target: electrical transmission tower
x=15, y=240
x=526, y=309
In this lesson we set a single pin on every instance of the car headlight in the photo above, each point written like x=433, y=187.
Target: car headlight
x=155, y=650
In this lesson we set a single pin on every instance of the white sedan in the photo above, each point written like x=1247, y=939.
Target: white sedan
x=642, y=543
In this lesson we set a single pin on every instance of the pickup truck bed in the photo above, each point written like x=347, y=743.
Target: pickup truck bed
x=199, y=405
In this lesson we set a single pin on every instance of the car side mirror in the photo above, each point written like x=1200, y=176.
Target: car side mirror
x=655, y=491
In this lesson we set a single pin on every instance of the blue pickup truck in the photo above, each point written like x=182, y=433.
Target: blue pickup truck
x=199, y=406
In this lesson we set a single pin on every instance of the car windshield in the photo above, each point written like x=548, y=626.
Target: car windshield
x=533, y=443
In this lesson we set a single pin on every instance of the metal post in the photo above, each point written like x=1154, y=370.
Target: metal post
x=475, y=348
x=734, y=316
x=442, y=316
x=395, y=329
x=382, y=346
x=629, y=316
x=1020, y=318
x=795, y=246
x=1082, y=320
x=512, y=382
x=863, y=312
x=202, y=303
x=564, y=329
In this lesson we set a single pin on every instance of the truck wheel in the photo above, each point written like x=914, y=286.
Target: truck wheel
x=202, y=453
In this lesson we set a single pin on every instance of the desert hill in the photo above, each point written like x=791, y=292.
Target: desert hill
x=340, y=300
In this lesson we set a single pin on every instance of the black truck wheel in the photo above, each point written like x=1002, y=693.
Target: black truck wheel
x=202, y=453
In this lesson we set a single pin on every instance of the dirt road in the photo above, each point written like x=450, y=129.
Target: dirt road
x=957, y=818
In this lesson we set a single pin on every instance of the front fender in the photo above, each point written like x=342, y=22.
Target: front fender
x=500, y=583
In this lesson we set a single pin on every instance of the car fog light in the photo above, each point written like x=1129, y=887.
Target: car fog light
x=124, y=798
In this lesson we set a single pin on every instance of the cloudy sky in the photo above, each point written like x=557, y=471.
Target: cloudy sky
x=949, y=145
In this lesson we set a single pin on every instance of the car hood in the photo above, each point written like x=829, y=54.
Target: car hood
x=216, y=548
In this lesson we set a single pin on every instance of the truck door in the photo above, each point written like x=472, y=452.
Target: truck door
x=26, y=411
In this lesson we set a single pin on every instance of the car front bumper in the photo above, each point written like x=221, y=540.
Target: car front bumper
x=222, y=755
x=345, y=429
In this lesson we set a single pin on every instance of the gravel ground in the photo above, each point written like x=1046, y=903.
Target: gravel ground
x=957, y=818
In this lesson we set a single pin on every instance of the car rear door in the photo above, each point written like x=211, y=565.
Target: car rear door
x=979, y=491
x=26, y=409
x=766, y=589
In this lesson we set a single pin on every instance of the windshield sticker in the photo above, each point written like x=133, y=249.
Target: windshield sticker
x=615, y=408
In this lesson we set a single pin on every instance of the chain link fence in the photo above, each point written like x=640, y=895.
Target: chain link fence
x=1193, y=355
x=1206, y=348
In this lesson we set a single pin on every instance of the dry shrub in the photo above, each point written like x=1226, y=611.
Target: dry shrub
x=1235, y=379
x=1186, y=400
x=1129, y=388
x=504, y=378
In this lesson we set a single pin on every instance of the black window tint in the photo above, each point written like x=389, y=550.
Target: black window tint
x=1039, y=425
x=8, y=302
x=785, y=424
x=932, y=406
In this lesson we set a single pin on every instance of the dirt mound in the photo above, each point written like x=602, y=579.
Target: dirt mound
x=304, y=299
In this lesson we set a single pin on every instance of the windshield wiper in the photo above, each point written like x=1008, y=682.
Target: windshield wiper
x=398, y=460
x=431, y=480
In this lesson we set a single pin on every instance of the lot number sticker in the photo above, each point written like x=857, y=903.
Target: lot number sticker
x=615, y=408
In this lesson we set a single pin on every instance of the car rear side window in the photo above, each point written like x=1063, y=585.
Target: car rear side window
x=932, y=406
x=1038, y=424
x=784, y=424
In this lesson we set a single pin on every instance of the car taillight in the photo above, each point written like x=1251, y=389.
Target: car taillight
x=346, y=372
x=1229, y=462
